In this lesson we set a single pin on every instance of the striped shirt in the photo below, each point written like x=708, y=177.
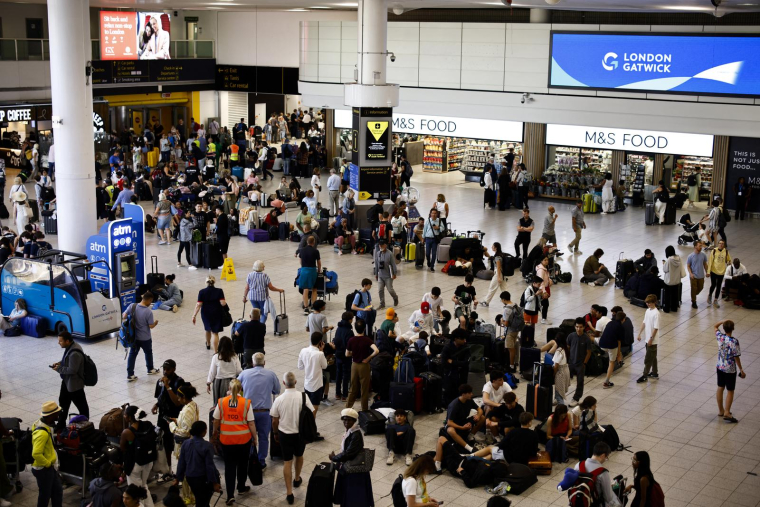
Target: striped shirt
x=258, y=284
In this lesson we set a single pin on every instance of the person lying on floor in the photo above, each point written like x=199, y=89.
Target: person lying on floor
x=477, y=469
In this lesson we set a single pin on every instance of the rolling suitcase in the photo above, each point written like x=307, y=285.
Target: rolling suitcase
x=324, y=227
x=442, y=255
x=239, y=172
x=528, y=357
x=649, y=214
x=33, y=326
x=623, y=271
x=410, y=252
x=419, y=259
x=281, y=320
x=196, y=254
x=432, y=392
x=541, y=463
x=403, y=395
x=372, y=422
x=419, y=395
x=539, y=398
x=284, y=231
x=51, y=225
x=212, y=255
x=528, y=336
x=154, y=277
x=319, y=492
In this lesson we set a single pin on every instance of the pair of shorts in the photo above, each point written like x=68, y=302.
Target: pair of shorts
x=163, y=223
x=612, y=354
x=308, y=278
x=512, y=340
x=727, y=380
x=316, y=396
x=224, y=243
x=291, y=445
x=530, y=319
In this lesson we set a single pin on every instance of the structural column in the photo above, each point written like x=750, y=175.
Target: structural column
x=70, y=52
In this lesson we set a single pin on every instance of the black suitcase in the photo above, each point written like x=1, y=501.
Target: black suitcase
x=154, y=278
x=419, y=259
x=670, y=212
x=624, y=269
x=437, y=343
x=436, y=366
x=319, y=493
x=528, y=336
x=483, y=339
x=373, y=422
x=539, y=398
x=196, y=254
x=402, y=395
x=649, y=214
x=432, y=391
x=322, y=231
x=284, y=231
x=51, y=225
x=275, y=451
x=551, y=333
x=528, y=357
x=212, y=255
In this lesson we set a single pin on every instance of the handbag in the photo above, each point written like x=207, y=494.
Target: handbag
x=226, y=316
x=363, y=462
x=254, y=467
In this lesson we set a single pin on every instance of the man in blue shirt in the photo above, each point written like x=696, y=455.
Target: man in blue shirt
x=696, y=263
x=116, y=162
x=362, y=304
x=125, y=197
x=259, y=385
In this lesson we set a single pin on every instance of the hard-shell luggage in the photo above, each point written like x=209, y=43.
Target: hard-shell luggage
x=444, y=246
x=238, y=172
x=258, y=235
x=34, y=326
x=154, y=277
x=403, y=395
x=51, y=225
x=324, y=227
x=649, y=214
x=153, y=157
x=418, y=394
x=284, y=231
x=528, y=357
x=319, y=492
x=528, y=336
x=196, y=254
x=372, y=422
x=541, y=463
x=432, y=392
x=281, y=320
x=212, y=255
x=624, y=269
x=410, y=252
x=419, y=259
x=539, y=398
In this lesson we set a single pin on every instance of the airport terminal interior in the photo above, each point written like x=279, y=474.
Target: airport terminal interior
x=446, y=88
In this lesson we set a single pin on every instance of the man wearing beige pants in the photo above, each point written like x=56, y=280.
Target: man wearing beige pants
x=696, y=263
x=361, y=350
x=579, y=223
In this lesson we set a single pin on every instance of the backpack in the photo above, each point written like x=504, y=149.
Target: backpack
x=404, y=374
x=42, y=249
x=381, y=231
x=583, y=492
x=307, y=426
x=90, y=375
x=145, y=445
x=657, y=496
x=397, y=492
x=127, y=332
x=26, y=445
x=409, y=171
x=350, y=300
x=516, y=320
x=691, y=180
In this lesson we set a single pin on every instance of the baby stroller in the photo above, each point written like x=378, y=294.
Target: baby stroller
x=690, y=234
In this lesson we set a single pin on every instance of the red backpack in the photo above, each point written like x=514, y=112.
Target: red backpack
x=657, y=496
x=583, y=492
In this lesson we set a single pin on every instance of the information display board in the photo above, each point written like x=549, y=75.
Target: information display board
x=135, y=35
x=743, y=162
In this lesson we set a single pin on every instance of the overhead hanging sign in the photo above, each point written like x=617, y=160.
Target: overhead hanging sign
x=711, y=64
x=646, y=141
x=497, y=130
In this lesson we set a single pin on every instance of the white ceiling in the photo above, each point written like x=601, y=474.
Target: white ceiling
x=672, y=6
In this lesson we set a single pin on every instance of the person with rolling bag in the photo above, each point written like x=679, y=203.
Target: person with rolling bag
x=281, y=320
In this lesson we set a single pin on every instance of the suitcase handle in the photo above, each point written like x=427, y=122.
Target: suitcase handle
x=620, y=257
x=243, y=318
x=282, y=303
x=153, y=264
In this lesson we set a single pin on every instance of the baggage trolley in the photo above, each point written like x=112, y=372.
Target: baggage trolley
x=9, y=448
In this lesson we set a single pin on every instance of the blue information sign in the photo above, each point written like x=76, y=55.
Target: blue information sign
x=709, y=64
x=353, y=178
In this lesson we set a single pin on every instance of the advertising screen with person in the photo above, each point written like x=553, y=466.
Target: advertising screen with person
x=135, y=35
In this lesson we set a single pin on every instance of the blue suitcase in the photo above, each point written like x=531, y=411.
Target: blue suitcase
x=34, y=326
x=258, y=235
x=402, y=395
x=238, y=172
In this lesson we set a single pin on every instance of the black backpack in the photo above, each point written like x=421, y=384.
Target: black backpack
x=350, y=300
x=397, y=492
x=90, y=369
x=307, y=426
x=145, y=444
x=25, y=445
x=691, y=180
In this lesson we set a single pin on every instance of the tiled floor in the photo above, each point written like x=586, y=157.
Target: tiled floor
x=698, y=459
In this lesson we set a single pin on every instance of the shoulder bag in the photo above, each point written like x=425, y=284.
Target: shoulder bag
x=362, y=463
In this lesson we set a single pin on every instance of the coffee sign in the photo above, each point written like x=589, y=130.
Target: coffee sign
x=19, y=114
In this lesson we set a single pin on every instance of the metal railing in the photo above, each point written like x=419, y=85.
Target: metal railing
x=39, y=49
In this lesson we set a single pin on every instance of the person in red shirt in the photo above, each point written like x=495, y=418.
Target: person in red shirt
x=361, y=349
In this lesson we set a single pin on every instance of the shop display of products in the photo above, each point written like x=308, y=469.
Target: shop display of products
x=687, y=165
x=434, y=154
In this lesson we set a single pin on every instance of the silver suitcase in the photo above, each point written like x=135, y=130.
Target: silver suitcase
x=281, y=320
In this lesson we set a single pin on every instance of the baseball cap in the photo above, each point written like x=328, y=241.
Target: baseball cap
x=425, y=307
x=170, y=363
x=390, y=313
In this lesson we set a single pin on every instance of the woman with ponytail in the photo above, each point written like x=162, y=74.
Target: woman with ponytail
x=234, y=428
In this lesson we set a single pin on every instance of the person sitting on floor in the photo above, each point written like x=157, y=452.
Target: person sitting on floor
x=520, y=444
x=650, y=283
x=460, y=425
x=399, y=438
x=594, y=272
x=645, y=263
x=495, y=408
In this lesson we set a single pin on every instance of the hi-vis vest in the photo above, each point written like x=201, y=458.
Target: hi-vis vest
x=234, y=151
x=233, y=429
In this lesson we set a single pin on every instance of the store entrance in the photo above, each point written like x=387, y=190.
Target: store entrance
x=571, y=171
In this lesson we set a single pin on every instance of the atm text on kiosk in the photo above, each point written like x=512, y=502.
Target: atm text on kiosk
x=114, y=245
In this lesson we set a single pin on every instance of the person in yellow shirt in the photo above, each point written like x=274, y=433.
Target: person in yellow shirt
x=45, y=457
x=716, y=265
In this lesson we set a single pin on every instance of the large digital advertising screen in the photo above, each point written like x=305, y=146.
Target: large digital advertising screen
x=698, y=64
x=135, y=35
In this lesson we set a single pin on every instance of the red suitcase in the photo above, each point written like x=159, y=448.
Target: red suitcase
x=418, y=397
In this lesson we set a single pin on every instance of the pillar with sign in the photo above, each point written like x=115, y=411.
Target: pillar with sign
x=372, y=101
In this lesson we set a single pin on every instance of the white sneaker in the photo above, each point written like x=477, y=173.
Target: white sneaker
x=390, y=459
x=484, y=303
x=546, y=322
x=327, y=402
x=180, y=265
x=192, y=268
x=480, y=438
x=5, y=503
x=573, y=403
x=408, y=459
x=578, y=252
x=162, y=242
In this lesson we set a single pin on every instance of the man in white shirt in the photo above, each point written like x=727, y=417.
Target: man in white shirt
x=333, y=189
x=312, y=360
x=735, y=270
x=421, y=320
x=213, y=130
x=651, y=329
x=286, y=417
x=493, y=400
x=434, y=299
x=602, y=322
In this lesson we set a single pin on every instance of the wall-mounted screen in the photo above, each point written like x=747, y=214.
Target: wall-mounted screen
x=707, y=64
x=135, y=35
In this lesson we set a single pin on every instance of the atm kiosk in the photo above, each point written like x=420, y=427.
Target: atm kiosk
x=116, y=245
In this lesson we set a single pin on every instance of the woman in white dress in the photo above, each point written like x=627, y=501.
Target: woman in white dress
x=316, y=184
x=21, y=210
x=608, y=196
x=561, y=352
x=443, y=208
